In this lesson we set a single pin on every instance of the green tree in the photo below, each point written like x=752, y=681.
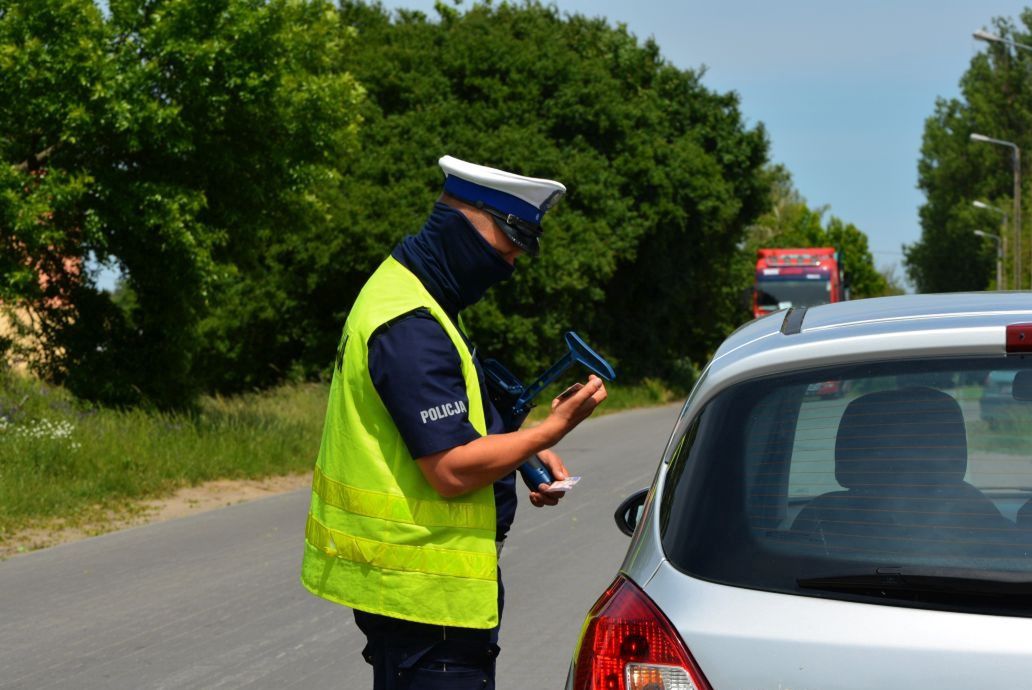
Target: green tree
x=996, y=100
x=893, y=281
x=186, y=135
x=52, y=53
x=663, y=174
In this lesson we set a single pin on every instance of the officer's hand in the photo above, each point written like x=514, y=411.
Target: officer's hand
x=558, y=470
x=571, y=410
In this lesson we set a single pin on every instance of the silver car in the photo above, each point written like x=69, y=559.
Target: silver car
x=881, y=539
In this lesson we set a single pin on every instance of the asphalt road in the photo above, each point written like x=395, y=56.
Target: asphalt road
x=213, y=600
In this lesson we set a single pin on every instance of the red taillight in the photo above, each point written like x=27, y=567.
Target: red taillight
x=628, y=644
x=1019, y=338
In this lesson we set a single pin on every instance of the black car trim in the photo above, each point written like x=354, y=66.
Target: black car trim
x=793, y=323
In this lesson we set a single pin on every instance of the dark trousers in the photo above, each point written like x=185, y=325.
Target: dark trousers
x=415, y=656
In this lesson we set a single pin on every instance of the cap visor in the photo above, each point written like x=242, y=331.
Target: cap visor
x=527, y=243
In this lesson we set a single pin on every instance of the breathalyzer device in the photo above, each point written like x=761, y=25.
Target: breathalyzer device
x=513, y=399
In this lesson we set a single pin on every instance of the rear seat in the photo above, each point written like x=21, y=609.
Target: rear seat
x=902, y=456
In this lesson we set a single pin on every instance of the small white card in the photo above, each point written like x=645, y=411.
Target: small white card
x=562, y=484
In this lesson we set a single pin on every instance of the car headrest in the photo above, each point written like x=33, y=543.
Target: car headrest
x=913, y=436
x=1022, y=387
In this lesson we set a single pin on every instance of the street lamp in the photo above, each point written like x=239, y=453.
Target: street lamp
x=1016, y=159
x=983, y=35
x=999, y=256
x=1003, y=236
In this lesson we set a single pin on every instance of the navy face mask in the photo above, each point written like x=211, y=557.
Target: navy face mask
x=452, y=259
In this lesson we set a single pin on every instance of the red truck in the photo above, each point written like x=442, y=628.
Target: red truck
x=802, y=277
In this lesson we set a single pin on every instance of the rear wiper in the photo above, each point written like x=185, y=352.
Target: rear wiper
x=925, y=580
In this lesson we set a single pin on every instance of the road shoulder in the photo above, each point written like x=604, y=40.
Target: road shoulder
x=186, y=501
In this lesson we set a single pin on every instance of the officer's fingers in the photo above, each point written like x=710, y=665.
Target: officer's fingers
x=595, y=399
x=585, y=391
x=543, y=489
x=594, y=383
x=587, y=407
x=554, y=463
x=566, y=394
x=542, y=498
x=551, y=499
x=552, y=496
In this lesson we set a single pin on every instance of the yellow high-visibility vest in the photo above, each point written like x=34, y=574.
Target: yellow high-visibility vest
x=379, y=538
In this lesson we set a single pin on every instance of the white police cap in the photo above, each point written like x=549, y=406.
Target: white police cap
x=516, y=202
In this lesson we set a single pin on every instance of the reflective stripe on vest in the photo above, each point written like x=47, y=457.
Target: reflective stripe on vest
x=398, y=508
x=379, y=538
x=417, y=559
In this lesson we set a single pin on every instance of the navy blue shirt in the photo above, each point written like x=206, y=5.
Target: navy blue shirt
x=416, y=371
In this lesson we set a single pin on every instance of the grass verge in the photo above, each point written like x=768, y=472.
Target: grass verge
x=65, y=464
x=60, y=460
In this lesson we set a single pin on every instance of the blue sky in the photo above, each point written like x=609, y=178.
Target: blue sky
x=842, y=87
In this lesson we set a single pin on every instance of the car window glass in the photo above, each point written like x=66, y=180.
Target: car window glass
x=920, y=464
x=812, y=466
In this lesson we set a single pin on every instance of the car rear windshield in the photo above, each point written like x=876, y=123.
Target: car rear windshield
x=906, y=483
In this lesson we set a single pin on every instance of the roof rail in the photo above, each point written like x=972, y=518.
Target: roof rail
x=793, y=323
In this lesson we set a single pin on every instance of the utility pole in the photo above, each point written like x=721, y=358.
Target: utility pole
x=1016, y=160
x=1001, y=279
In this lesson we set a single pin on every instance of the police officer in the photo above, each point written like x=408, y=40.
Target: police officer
x=414, y=489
